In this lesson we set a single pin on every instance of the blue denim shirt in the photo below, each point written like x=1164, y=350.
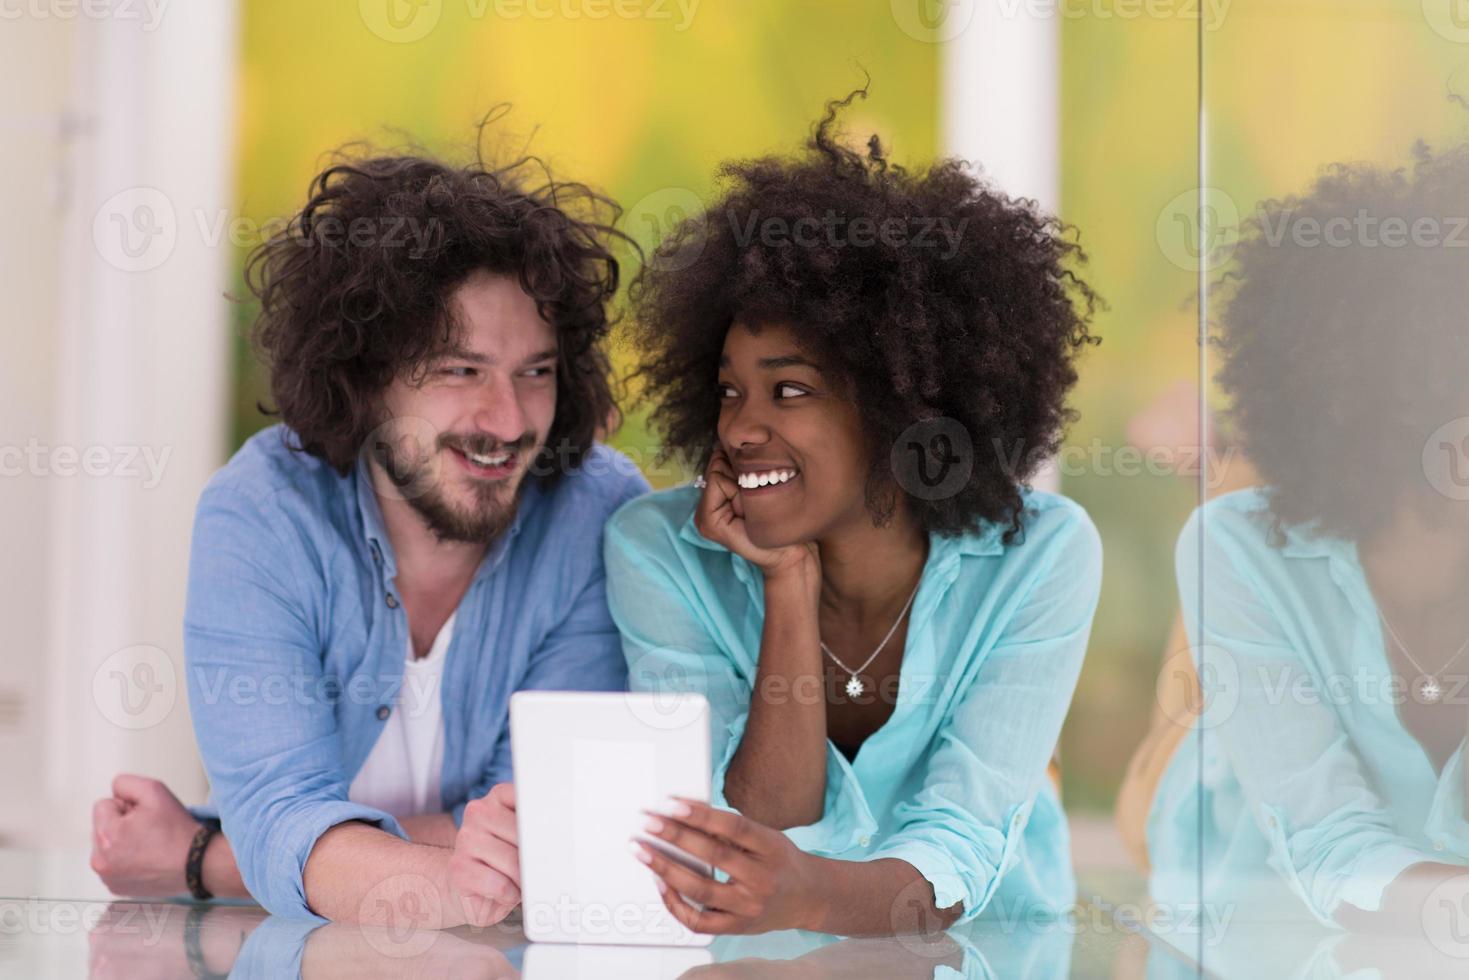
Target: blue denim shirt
x=1298, y=788
x=294, y=643
x=954, y=783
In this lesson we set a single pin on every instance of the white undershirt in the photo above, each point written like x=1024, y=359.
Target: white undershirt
x=402, y=772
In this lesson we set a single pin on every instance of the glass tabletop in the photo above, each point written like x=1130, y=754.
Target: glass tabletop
x=56, y=920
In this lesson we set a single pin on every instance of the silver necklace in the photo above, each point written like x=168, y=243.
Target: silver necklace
x=1430, y=690
x=854, y=684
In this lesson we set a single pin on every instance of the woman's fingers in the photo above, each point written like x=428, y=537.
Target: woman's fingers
x=715, y=851
x=706, y=921
x=720, y=896
x=736, y=828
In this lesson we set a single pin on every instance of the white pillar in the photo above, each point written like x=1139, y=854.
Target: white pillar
x=1000, y=91
x=126, y=356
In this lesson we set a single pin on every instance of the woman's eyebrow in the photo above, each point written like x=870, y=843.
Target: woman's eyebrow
x=773, y=363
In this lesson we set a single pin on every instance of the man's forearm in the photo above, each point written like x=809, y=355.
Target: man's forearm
x=222, y=871
x=436, y=829
x=878, y=898
x=778, y=774
x=357, y=873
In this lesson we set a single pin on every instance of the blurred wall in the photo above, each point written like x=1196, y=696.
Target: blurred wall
x=115, y=391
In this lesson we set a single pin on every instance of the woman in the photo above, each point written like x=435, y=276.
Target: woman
x=867, y=364
x=1324, y=778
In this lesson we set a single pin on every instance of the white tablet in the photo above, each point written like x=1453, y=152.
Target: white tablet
x=587, y=766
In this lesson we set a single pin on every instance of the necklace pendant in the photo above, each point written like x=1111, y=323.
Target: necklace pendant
x=854, y=687
x=1430, y=691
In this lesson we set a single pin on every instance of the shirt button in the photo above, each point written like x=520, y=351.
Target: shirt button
x=377, y=554
x=1438, y=845
x=383, y=711
x=392, y=601
x=865, y=841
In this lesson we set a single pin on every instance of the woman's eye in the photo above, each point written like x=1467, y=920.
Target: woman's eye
x=727, y=391
x=540, y=372
x=789, y=391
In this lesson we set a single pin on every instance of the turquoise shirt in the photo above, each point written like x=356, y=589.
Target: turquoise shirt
x=955, y=782
x=1298, y=788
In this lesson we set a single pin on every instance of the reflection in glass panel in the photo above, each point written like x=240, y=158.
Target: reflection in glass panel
x=1313, y=808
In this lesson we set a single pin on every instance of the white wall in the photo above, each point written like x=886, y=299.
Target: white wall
x=116, y=385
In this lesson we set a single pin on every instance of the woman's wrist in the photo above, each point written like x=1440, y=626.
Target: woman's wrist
x=816, y=910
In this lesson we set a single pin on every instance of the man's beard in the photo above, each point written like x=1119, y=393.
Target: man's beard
x=420, y=481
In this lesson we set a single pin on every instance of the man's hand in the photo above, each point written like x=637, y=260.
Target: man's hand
x=140, y=839
x=484, y=872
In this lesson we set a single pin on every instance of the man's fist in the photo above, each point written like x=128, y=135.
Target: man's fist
x=484, y=871
x=140, y=839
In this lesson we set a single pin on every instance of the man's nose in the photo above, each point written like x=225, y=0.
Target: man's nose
x=497, y=412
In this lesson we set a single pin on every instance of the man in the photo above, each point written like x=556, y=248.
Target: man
x=371, y=580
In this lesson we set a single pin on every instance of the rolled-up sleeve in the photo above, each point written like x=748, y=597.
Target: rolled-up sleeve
x=263, y=711
x=963, y=829
x=1331, y=836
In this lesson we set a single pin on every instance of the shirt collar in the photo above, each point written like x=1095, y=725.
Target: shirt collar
x=375, y=532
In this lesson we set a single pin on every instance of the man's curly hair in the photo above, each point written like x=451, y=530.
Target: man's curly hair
x=355, y=290
x=1343, y=352
x=983, y=329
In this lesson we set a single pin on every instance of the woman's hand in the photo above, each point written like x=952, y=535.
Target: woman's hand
x=720, y=517
x=772, y=883
x=484, y=871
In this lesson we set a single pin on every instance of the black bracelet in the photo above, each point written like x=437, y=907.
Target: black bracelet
x=194, y=866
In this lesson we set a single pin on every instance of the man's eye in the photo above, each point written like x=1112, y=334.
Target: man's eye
x=789, y=391
x=457, y=372
x=540, y=372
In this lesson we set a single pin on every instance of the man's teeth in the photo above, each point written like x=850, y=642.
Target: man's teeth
x=752, y=481
x=494, y=459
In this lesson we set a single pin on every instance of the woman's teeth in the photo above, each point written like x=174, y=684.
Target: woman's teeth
x=494, y=459
x=753, y=481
